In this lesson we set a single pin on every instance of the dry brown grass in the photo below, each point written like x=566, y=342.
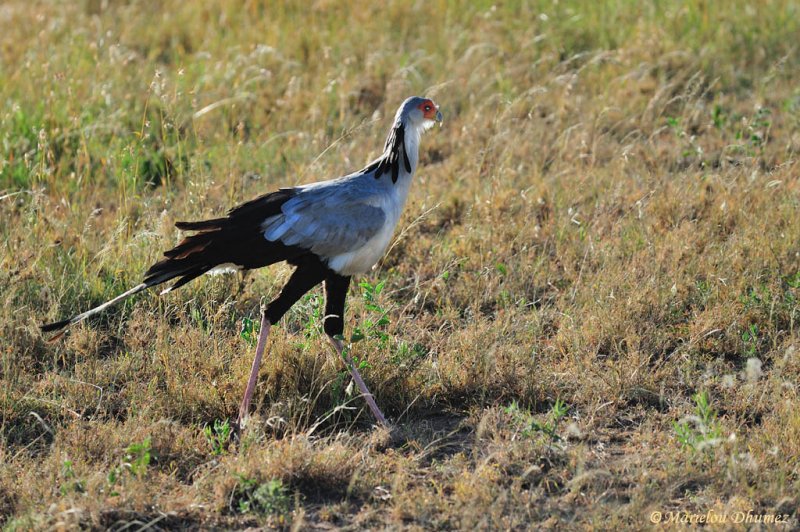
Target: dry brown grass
x=608, y=218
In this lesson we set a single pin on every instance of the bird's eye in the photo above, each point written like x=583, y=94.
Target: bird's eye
x=427, y=107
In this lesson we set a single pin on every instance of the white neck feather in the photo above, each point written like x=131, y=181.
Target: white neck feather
x=412, y=139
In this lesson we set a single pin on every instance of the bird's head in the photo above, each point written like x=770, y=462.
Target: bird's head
x=418, y=112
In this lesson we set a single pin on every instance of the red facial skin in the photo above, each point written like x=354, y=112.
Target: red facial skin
x=428, y=109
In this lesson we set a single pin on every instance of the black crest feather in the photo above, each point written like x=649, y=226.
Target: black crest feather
x=393, y=150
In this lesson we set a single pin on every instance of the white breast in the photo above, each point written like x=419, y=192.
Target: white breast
x=361, y=260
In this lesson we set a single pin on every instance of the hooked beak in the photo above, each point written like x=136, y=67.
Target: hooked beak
x=439, y=117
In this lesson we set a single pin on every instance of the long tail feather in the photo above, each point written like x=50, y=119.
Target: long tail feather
x=237, y=239
x=59, y=325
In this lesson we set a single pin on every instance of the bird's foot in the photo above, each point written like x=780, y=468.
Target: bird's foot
x=362, y=387
x=238, y=426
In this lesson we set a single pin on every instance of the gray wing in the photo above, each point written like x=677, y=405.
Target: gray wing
x=327, y=220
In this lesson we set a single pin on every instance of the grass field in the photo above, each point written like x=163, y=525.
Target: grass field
x=589, y=314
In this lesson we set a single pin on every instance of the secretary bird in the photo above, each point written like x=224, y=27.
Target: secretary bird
x=330, y=230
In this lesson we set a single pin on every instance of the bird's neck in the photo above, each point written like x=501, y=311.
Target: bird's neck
x=412, y=138
x=400, y=155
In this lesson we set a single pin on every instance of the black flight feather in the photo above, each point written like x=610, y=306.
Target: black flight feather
x=237, y=239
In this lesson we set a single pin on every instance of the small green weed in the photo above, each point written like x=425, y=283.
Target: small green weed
x=704, y=291
x=314, y=304
x=249, y=331
x=701, y=431
x=719, y=116
x=70, y=481
x=750, y=338
x=137, y=457
x=407, y=353
x=199, y=319
x=793, y=281
x=754, y=297
x=218, y=436
x=372, y=327
x=136, y=460
x=550, y=427
x=532, y=426
x=252, y=496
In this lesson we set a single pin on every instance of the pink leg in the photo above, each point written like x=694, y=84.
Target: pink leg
x=244, y=409
x=339, y=346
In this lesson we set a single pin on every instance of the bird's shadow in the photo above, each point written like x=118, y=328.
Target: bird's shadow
x=431, y=435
